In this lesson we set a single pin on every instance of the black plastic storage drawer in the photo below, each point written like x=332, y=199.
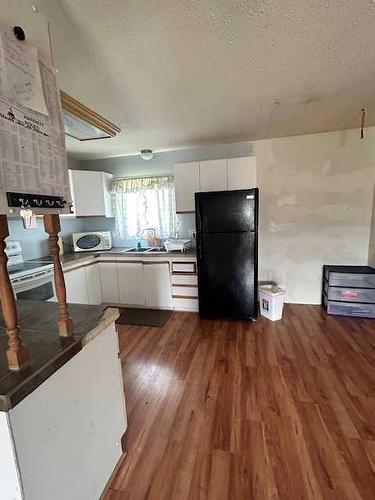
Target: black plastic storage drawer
x=350, y=276
x=353, y=309
x=350, y=294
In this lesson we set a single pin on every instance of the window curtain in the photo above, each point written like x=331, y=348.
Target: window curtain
x=144, y=202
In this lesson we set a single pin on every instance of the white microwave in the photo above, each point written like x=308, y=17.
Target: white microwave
x=90, y=242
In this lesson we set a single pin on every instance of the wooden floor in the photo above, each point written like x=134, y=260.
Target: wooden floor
x=230, y=410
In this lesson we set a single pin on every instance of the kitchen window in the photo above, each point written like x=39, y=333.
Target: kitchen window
x=144, y=202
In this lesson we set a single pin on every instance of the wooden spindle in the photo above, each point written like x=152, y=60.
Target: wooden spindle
x=52, y=227
x=17, y=353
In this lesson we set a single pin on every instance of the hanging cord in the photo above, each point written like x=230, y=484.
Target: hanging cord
x=363, y=111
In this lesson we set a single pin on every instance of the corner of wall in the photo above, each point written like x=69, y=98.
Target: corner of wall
x=371, y=248
x=73, y=163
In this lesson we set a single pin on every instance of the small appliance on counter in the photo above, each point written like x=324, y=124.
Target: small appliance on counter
x=177, y=245
x=92, y=241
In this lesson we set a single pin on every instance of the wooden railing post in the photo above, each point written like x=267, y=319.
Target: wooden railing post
x=52, y=227
x=17, y=353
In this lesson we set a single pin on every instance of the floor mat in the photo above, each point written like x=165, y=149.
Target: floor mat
x=144, y=317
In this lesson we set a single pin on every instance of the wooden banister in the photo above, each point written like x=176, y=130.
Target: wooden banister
x=52, y=227
x=17, y=353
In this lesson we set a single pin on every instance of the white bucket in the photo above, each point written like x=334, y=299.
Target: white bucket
x=271, y=301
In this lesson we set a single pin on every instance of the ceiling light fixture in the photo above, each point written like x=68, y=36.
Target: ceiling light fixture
x=147, y=154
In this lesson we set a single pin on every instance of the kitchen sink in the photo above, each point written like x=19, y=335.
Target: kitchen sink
x=145, y=250
x=157, y=249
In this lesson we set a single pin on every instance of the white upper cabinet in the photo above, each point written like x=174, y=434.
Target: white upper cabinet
x=213, y=175
x=186, y=183
x=241, y=173
x=91, y=192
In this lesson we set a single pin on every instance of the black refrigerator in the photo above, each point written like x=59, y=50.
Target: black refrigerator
x=227, y=253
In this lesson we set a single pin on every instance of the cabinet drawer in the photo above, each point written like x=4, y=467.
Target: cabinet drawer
x=186, y=304
x=187, y=279
x=350, y=294
x=184, y=267
x=353, y=309
x=184, y=291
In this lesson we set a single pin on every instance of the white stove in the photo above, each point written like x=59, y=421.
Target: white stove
x=31, y=279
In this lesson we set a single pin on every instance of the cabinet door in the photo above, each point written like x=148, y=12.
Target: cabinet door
x=186, y=183
x=88, y=192
x=109, y=282
x=94, y=287
x=213, y=175
x=242, y=173
x=130, y=280
x=157, y=285
x=76, y=286
x=107, y=185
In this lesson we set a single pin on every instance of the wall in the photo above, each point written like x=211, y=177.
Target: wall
x=34, y=242
x=371, y=250
x=162, y=163
x=315, y=207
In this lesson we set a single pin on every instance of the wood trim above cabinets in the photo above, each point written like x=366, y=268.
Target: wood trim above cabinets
x=78, y=109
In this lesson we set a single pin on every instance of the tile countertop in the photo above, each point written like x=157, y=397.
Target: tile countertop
x=48, y=351
x=71, y=259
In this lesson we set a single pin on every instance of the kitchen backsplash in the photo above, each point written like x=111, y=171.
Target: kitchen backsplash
x=34, y=242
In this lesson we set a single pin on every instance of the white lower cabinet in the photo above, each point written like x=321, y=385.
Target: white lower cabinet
x=157, y=284
x=131, y=283
x=109, y=281
x=134, y=283
x=76, y=287
x=94, y=286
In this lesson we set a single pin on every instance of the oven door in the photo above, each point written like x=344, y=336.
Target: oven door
x=38, y=286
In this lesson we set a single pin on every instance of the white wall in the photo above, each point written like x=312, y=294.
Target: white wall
x=371, y=249
x=315, y=207
x=9, y=473
x=78, y=75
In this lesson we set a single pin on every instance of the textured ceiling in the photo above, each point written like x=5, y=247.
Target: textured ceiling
x=184, y=73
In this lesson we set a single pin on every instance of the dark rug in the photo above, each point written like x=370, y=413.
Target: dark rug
x=143, y=317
